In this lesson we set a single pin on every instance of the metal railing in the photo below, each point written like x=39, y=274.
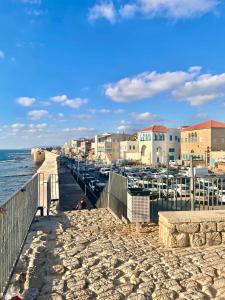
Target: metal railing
x=165, y=193
x=114, y=196
x=103, y=200
x=16, y=216
x=183, y=193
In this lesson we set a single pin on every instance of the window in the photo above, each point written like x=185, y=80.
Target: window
x=133, y=147
x=171, y=150
x=130, y=147
x=171, y=137
x=175, y=138
x=156, y=137
x=178, y=139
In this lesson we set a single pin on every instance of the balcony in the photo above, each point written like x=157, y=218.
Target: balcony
x=104, y=146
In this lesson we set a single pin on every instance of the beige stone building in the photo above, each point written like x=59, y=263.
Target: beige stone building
x=129, y=150
x=203, y=140
x=107, y=146
x=158, y=145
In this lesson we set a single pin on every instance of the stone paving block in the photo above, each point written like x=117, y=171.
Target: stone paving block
x=221, y=226
x=208, y=227
x=188, y=227
x=178, y=240
x=197, y=239
x=213, y=238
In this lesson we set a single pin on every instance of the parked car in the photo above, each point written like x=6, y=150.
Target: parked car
x=92, y=184
x=105, y=171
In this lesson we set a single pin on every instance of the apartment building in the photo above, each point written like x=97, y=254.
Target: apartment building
x=203, y=140
x=158, y=144
x=107, y=146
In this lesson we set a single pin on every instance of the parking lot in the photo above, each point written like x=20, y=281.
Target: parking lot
x=168, y=189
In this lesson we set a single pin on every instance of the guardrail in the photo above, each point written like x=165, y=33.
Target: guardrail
x=16, y=216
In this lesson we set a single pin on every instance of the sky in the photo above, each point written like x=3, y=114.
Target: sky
x=71, y=69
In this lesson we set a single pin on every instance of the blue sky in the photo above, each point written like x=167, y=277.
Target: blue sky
x=72, y=69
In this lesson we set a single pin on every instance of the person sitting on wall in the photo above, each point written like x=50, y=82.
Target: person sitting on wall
x=81, y=204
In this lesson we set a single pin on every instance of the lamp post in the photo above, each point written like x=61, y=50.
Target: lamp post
x=207, y=156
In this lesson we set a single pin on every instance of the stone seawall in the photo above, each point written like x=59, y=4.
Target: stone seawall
x=195, y=228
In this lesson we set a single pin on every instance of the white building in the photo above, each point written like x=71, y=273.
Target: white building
x=158, y=144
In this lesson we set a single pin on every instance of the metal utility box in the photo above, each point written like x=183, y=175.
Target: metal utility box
x=138, y=206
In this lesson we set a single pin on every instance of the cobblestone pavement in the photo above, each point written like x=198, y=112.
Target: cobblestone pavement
x=90, y=255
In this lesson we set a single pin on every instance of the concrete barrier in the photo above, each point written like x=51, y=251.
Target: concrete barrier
x=180, y=229
x=48, y=169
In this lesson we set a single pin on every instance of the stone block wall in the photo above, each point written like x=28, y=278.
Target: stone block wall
x=191, y=234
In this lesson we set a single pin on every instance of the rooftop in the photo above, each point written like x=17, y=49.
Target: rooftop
x=204, y=125
x=160, y=128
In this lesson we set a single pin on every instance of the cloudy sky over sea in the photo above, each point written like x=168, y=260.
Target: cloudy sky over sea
x=76, y=68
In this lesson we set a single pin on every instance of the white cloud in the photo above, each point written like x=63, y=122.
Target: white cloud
x=37, y=114
x=38, y=126
x=61, y=115
x=35, y=12
x=79, y=129
x=44, y=103
x=65, y=101
x=191, y=86
x=201, y=116
x=176, y=9
x=106, y=111
x=25, y=101
x=16, y=127
x=84, y=117
x=172, y=9
x=2, y=54
x=126, y=126
x=104, y=10
x=146, y=117
x=204, y=89
x=147, y=85
x=33, y=128
x=119, y=111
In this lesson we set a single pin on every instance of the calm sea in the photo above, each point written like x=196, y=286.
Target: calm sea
x=16, y=167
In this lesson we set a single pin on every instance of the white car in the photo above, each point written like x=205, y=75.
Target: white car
x=221, y=196
x=105, y=171
x=183, y=190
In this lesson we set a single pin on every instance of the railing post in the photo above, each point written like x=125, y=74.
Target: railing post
x=192, y=185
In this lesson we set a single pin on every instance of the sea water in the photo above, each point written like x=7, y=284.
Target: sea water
x=16, y=168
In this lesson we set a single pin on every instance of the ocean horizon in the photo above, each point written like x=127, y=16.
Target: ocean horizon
x=16, y=168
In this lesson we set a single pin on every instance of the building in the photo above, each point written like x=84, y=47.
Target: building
x=158, y=144
x=203, y=141
x=107, y=146
x=129, y=150
x=77, y=148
